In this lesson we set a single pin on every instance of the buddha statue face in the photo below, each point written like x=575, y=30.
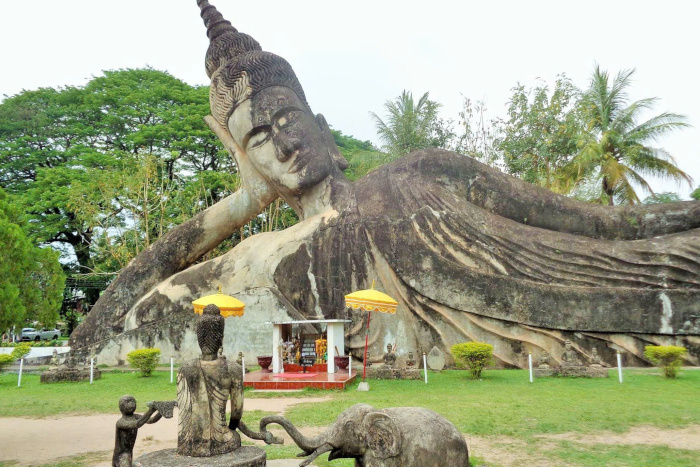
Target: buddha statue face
x=289, y=147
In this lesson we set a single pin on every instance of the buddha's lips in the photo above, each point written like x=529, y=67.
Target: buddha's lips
x=300, y=161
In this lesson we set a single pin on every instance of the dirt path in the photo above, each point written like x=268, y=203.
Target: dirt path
x=37, y=441
x=684, y=438
x=40, y=441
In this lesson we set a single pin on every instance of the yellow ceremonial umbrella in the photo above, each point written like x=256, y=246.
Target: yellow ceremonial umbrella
x=228, y=305
x=370, y=300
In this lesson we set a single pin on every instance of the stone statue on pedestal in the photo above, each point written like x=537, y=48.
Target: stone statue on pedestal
x=569, y=356
x=204, y=387
x=389, y=356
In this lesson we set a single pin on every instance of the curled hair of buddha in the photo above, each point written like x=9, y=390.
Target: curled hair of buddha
x=238, y=67
x=210, y=330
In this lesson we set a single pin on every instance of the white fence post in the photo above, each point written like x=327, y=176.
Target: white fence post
x=529, y=364
x=19, y=377
x=92, y=368
x=425, y=367
x=350, y=365
x=172, y=365
x=619, y=365
x=243, y=369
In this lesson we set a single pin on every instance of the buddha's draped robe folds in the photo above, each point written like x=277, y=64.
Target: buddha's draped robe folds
x=470, y=254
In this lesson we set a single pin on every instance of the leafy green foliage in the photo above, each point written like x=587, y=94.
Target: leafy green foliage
x=667, y=357
x=31, y=279
x=5, y=360
x=362, y=156
x=105, y=169
x=51, y=343
x=696, y=194
x=616, y=153
x=412, y=125
x=665, y=197
x=477, y=138
x=20, y=351
x=474, y=356
x=541, y=133
x=144, y=360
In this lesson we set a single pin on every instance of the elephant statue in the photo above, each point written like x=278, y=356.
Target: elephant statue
x=394, y=437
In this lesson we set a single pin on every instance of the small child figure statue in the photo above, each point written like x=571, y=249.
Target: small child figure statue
x=127, y=428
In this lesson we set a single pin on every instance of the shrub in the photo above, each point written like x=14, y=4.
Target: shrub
x=144, y=360
x=472, y=355
x=5, y=360
x=20, y=351
x=666, y=357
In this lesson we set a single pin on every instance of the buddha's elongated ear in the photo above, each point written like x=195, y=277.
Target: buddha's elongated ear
x=333, y=150
x=251, y=180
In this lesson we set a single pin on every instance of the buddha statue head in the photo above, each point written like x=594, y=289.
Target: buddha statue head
x=257, y=97
x=210, y=332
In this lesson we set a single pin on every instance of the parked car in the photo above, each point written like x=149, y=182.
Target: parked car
x=31, y=334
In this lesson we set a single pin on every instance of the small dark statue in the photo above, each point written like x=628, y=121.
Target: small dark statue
x=128, y=427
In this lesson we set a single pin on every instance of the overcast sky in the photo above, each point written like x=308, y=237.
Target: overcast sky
x=353, y=56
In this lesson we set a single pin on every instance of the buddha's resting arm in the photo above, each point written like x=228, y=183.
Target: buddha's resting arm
x=185, y=244
x=528, y=204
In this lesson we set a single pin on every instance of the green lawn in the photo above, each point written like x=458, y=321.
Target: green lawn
x=501, y=406
x=505, y=403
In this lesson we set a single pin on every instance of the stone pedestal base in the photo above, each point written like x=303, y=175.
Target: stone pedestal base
x=245, y=456
x=578, y=371
x=60, y=375
x=363, y=386
x=543, y=372
x=386, y=372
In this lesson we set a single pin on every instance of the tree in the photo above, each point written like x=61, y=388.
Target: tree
x=362, y=156
x=616, y=152
x=107, y=168
x=412, y=125
x=665, y=197
x=541, y=133
x=31, y=278
x=478, y=135
x=696, y=194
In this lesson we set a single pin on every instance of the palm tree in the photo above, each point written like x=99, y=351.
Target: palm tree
x=615, y=152
x=410, y=125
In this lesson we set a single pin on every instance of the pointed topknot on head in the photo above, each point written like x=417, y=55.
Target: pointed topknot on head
x=225, y=42
x=238, y=67
x=213, y=20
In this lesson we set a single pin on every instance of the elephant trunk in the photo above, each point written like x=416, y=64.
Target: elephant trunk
x=308, y=445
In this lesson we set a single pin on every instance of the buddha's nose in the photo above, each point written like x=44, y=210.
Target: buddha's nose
x=288, y=146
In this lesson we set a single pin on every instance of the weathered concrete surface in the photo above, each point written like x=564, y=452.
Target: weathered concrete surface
x=245, y=456
x=459, y=272
x=63, y=375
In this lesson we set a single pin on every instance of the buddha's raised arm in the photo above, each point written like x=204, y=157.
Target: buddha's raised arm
x=185, y=244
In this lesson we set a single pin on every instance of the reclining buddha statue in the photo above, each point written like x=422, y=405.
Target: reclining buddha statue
x=470, y=253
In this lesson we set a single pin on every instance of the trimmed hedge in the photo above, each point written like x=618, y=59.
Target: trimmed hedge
x=472, y=355
x=144, y=360
x=667, y=357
